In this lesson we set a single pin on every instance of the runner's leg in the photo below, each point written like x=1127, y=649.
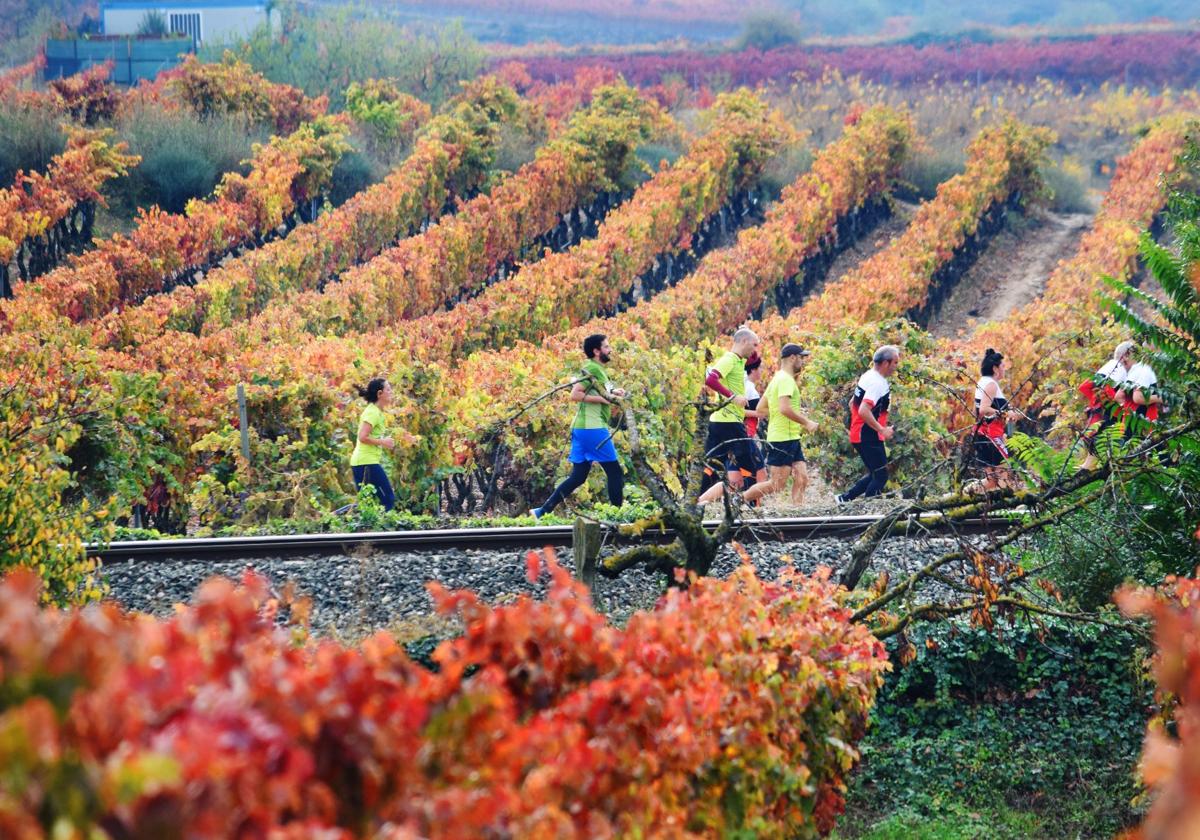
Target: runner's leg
x=864, y=483
x=799, y=482
x=616, y=481
x=579, y=474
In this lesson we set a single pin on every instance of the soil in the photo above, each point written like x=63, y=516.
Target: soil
x=1012, y=271
x=870, y=244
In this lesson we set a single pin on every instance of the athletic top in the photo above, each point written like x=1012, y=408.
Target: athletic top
x=992, y=427
x=1141, y=375
x=1102, y=387
x=365, y=454
x=731, y=368
x=593, y=415
x=874, y=389
x=752, y=399
x=779, y=427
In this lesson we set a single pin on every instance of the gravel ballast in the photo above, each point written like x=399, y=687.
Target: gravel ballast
x=352, y=596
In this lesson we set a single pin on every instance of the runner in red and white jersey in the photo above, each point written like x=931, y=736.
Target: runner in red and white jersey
x=1107, y=400
x=868, y=422
x=990, y=438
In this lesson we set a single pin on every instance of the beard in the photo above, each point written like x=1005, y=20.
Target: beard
x=603, y=357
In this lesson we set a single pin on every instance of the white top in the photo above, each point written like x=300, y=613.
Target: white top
x=983, y=381
x=1141, y=375
x=1114, y=370
x=874, y=386
x=751, y=391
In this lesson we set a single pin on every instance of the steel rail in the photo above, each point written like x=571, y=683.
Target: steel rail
x=792, y=529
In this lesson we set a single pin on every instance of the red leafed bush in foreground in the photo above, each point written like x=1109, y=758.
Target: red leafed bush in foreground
x=1171, y=758
x=732, y=705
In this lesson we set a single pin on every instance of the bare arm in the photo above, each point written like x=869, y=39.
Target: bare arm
x=579, y=394
x=985, y=403
x=364, y=437
x=786, y=409
x=864, y=411
x=1140, y=398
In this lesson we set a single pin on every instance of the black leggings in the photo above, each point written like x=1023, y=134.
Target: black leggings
x=874, y=456
x=579, y=474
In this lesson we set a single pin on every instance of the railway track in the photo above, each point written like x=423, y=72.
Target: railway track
x=793, y=529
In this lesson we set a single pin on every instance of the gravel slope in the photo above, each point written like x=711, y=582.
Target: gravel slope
x=353, y=596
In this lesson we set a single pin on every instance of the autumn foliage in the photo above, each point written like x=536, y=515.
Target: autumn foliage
x=1170, y=764
x=44, y=214
x=451, y=157
x=732, y=707
x=457, y=255
x=1062, y=335
x=1149, y=58
x=233, y=87
x=1003, y=160
x=284, y=174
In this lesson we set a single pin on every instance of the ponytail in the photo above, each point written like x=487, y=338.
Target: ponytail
x=371, y=392
x=991, y=361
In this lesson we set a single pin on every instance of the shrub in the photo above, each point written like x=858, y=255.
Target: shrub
x=765, y=31
x=183, y=155
x=923, y=172
x=731, y=709
x=323, y=51
x=354, y=173
x=31, y=135
x=70, y=456
x=1171, y=758
x=1046, y=715
x=1067, y=183
x=390, y=116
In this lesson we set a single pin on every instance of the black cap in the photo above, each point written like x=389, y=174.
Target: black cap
x=793, y=350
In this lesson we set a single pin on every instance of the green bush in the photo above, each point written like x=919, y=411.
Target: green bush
x=322, y=51
x=923, y=172
x=1044, y=720
x=354, y=173
x=1087, y=563
x=1066, y=181
x=30, y=136
x=768, y=31
x=183, y=156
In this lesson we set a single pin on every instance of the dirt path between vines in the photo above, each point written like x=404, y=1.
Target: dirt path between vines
x=870, y=244
x=1012, y=271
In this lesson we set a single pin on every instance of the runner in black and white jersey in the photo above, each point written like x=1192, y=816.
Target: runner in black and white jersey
x=1144, y=399
x=1106, y=398
x=990, y=438
x=868, y=422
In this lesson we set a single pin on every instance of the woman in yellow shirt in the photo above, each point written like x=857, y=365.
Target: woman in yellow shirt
x=367, y=460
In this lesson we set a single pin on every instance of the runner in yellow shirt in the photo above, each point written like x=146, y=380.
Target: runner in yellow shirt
x=780, y=405
x=366, y=462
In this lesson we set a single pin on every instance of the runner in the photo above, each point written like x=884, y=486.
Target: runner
x=780, y=405
x=753, y=396
x=1106, y=398
x=727, y=441
x=366, y=462
x=1145, y=401
x=868, y=422
x=591, y=439
x=990, y=438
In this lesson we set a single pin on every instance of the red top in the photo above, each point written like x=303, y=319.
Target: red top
x=874, y=390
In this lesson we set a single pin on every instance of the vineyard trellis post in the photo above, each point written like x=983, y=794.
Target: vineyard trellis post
x=243, y=425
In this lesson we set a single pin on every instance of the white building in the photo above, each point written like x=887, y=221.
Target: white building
x=204, y=20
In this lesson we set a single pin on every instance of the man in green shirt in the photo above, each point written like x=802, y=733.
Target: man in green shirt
x=727, y=441
x=780, y=405
x=591, y=440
